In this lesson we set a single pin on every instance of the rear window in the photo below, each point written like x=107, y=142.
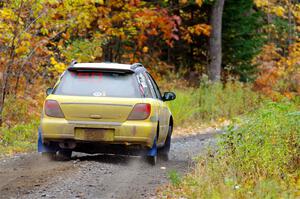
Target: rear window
x=98, y=85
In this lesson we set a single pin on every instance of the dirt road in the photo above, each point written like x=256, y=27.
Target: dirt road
x=95, y=176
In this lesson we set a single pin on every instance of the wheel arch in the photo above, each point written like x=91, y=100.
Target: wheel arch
x=157, y=130
x=171, y=122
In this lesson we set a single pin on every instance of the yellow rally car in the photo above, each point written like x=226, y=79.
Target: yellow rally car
x=106, y=108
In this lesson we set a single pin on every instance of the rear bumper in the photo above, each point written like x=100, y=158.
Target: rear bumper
x=127, y=133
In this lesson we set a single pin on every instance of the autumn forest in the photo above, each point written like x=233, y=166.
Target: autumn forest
x=223, y=58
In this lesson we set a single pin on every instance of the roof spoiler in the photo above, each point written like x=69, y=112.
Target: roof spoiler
x=77, y=68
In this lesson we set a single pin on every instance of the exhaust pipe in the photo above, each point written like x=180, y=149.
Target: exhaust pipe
x=67, y=145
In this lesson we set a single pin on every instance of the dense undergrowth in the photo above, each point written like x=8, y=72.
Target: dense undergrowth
x=213, y=102
x=19, y=138
x=19, y=132
x=258, y=157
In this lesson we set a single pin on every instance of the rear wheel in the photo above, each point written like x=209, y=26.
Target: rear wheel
x=152, y=160
x=164, y=151
x=64, y=155
x=49, y=155
x=163, y=156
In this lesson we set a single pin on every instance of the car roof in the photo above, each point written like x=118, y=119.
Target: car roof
x=105, y=66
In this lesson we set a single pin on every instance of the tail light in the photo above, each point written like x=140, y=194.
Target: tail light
x=140, y=112
x=52, y=109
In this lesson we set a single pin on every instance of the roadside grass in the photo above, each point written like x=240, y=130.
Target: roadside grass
x=259, y=159
x=19, y=132
x=20, y=138
x=212, y=103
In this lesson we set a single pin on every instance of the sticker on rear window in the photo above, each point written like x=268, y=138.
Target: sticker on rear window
x=87, y=75
x=99, y=94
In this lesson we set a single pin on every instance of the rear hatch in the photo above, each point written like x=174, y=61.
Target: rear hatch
x=96, y=109
x=97, y=96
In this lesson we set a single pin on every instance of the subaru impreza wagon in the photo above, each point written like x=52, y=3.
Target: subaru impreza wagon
x=106, y=108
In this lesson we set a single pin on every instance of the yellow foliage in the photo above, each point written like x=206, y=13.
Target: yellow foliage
x=7, y=14
x=101, y=2
x=198, y=29
x=58, y=67
x=199, y=2
x=261, y=3
x=145, y=49
x=53, y=61
x=21, y=50
x=279, y=11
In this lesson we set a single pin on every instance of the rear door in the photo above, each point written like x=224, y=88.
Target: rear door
x=163, y=110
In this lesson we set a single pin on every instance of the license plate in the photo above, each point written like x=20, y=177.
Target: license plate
x=93, y=134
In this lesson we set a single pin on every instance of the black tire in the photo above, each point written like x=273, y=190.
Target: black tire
x=163, y=156
x=64, y=155
x=49, y=155
x=152, y=160
x=164, y=151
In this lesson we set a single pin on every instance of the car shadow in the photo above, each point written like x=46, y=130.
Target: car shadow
x=128, y=159
x=104, y=158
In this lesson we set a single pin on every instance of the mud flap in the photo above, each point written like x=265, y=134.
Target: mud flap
x=153, y=150
x=41, y=147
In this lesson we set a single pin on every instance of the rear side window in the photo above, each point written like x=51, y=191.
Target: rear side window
x=144, y=86
x=156, y=89
x=98, y=85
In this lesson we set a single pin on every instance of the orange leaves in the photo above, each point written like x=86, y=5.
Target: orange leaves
x=134, y=2
x=198, y=30
x=141, y=39
x=199, y=2
x=279, y=74
x=133, y=21
x=103, y=11
x=152, y=31
x=66, y=36
x=145, y=49
x=155, y=21
x=279, y=67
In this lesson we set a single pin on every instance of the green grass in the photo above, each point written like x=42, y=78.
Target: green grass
x=259, y=159
x=174, y=177
x=211, y=102
x=20, y=138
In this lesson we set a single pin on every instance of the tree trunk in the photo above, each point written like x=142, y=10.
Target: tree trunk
x=215, y=41
x=290, y=24
x=8, y=67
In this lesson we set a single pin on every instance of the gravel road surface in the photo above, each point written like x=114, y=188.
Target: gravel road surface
x=96, y=176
